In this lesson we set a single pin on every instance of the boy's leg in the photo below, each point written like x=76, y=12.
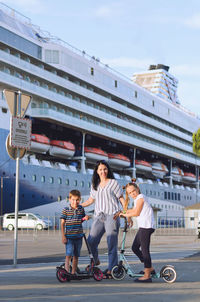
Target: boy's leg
x=96, y=233
x=69, y=254
x=67, y=263
x=74, y=264
x=77, y=244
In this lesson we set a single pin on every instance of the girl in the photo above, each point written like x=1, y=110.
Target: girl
x=144, y=213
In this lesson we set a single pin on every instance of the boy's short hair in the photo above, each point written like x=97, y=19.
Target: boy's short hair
x=75, y=193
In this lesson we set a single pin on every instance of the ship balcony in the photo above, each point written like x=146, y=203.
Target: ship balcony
x=141, y=136
x=81, y=109
x=59, y=99
x=45, y=75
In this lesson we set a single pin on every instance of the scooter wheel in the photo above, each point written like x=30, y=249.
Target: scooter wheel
x=62, y=275
x=118, y=272
x=97, y=274
x=168, y=274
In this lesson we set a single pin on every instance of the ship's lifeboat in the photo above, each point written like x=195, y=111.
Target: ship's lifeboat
x=159, y=170
x=95, y=154
x=39, y=143
x=62, y=149
x=189, y=177
x=143, y=166
x=118, y=160
x=177, y=174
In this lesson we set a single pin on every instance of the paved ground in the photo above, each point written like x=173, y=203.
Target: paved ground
x=37, y=281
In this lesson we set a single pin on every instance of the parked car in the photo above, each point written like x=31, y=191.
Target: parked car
x=26, y=221
x=198, y=230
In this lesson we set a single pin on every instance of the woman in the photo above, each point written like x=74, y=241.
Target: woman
x=106, y=193
x=144, y=213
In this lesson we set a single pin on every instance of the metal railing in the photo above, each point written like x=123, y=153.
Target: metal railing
x=171, y=225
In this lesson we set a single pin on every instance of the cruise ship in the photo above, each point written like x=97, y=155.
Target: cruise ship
x=83, y=111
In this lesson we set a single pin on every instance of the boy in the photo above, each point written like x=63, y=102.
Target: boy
x=72, y=230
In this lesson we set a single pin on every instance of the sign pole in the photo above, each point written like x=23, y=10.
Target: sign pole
x=17, y=142
x=17, y=185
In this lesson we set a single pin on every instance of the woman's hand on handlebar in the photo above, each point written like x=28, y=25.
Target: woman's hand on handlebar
x=116, y=215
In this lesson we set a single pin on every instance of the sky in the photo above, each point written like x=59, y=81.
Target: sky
x=129, y=35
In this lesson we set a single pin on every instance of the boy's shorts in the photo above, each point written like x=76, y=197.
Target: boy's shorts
x=73, y=247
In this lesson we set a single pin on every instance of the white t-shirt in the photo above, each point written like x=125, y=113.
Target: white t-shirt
x=146, y=218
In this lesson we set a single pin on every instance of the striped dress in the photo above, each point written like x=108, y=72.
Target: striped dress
x=107, y=198
x=73, y=222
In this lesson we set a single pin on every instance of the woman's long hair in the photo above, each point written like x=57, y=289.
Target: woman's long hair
x=96, y=178
x=127, y=199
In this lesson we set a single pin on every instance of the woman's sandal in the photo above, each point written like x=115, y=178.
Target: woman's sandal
x=107, y=276
x=152, y=272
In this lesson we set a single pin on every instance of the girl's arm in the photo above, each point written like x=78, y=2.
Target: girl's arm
x=122, y=201
x=134, y=211
x=88, y=202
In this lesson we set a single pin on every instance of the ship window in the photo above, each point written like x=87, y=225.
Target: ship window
x=115, y=83
x=59, y=180
x=4, y=110
x=82, y=183
x=168, y=195
x=89, y=184
x=165, y=196
x=34, y=177
x=75, y=182
x=51, y=180
x=92, y=71
x=69, y=95
x=67, y=182
x=42, y=178
x=46, y=105
x=153, y=103
x=51, y=56
x=33, y=105
x=59, y=198
x=136, y=94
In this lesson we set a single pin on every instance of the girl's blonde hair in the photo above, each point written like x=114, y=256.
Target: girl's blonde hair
x=133, y=183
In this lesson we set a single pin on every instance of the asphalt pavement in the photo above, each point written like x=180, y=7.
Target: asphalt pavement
x=34, y=277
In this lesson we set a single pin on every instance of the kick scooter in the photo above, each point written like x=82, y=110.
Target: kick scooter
x=119, y=271
x=91, y=271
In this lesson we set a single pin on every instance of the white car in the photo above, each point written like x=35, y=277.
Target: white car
x=198, y=230
x=26, y=221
